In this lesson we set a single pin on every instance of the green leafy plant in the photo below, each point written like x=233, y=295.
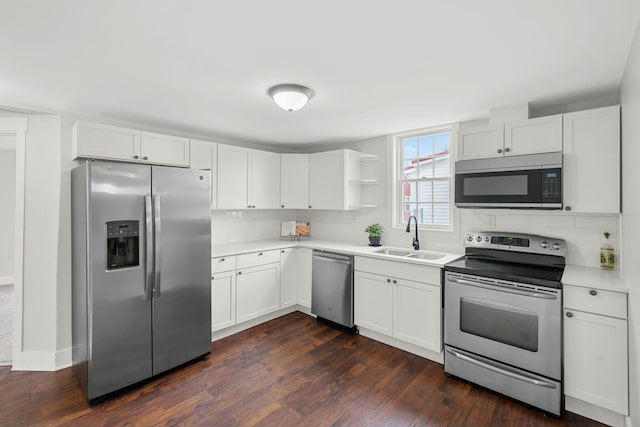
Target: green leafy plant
x=606, y=235
x=374, y=230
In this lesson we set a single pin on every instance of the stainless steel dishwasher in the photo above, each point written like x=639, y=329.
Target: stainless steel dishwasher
x=332, y=287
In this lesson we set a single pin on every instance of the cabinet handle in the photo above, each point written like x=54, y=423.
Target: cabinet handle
x=282, y=206
x=260, y=254
x=506, y=150
x=388, y=280
x=282, y=251
x=145, y=158
x=395, y=281
x=569, y=314
x=309, y=206
x=239, y=273
x=593, y=292
x=499, y=150
x=211, y=277
x=136, y=157
x=567, y=208
x=221, y=260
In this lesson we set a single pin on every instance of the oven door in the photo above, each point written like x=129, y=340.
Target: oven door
x=533, y=188
x=516, y=324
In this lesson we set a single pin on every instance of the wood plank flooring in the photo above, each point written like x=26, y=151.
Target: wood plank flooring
x=292, y=371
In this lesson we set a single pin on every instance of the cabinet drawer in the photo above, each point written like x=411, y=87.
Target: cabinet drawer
x=258, y=258
x=225, y=263
x=596, y=301
x=401, y=270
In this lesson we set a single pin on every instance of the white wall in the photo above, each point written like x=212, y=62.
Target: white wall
x=630, y=106
x=7, y=206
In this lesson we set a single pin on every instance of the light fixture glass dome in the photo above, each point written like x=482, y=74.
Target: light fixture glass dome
x=290, y=97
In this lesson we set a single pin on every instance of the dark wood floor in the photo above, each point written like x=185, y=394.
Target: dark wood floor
x=292, y=371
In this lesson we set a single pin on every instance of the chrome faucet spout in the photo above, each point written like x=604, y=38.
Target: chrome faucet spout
x=416, y=242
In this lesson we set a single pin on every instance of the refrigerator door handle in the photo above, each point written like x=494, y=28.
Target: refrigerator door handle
x=148, y=273
x=157, y=238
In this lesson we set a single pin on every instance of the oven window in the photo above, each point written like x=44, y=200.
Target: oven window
x=502, y=323
x=510, y=185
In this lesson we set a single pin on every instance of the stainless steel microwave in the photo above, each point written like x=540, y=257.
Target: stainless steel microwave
x=522, y=182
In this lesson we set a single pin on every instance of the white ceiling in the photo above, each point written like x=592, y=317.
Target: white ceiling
x=376, y=67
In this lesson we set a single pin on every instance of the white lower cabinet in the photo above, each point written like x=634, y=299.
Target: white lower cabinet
x=399, y=300
x=288, y=277
x=596, y=348
x=223, y=300
x=257, y=291
x=304, y=257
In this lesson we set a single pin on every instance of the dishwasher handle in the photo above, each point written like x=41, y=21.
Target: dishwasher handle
x=327, y=256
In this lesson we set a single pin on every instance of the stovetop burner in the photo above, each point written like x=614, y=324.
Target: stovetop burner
x=523, y=258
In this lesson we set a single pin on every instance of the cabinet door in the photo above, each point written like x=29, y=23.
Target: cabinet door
x=373, y=302
x=591, y=161
x=294, y=181
x=416, y=311
x=304, y=257
x=481, y=142
x=264, y=180
x=327, y=180
x=223, y=300
x=257, y=291
x=539, y=135
x=98, y=141
x=233, y=173
x=595, y=360
x=162, y=149
x=288, y=285
x=204, y=155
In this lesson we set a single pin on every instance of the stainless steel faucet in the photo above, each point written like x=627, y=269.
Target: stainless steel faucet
x=416, y=242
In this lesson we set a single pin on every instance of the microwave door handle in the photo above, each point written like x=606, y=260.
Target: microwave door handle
x=499, y=370
x=499, y=288
x=148, y=242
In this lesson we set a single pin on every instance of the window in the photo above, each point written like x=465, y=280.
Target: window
x=424, y=179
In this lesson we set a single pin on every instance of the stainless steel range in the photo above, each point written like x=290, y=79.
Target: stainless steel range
x=503, y=316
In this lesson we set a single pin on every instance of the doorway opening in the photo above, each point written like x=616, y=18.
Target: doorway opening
x=7, y=256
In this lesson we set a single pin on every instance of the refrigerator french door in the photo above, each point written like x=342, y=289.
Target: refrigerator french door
x=141, y=272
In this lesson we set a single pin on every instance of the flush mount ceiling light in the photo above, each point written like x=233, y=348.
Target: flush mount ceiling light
x=290, y=97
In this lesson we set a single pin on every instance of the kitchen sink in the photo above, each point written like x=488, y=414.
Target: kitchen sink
x=394, y=252
x=407, y=253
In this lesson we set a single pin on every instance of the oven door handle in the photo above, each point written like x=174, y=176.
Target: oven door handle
x=501, y=288
x=500, y=370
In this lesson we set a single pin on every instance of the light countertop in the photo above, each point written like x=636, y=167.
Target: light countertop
x=595, y=278
x=342, y=247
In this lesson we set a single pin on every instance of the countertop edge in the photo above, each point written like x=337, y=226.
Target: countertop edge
x=595, y=278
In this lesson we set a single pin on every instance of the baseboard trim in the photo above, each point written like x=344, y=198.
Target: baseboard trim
x=223, y=333
x=594, y=412
x=42, y=360
x=6, y=280
x=402, y=345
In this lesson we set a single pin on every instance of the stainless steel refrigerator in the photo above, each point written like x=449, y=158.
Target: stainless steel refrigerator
x=141, y=271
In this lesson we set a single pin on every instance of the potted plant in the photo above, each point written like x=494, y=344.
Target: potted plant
x=375, y=232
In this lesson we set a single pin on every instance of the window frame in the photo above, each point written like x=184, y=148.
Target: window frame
x=398, y=180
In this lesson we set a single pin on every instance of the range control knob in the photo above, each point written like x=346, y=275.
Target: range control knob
x=544, y=244
x=470, y=238
x=486, y=239
x=556, y=246
x=479, y=239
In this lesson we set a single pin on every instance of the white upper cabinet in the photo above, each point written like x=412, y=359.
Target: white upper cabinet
x=162, y=149
x=95, y=140
x=233, y=177
x=532, y=136
x=334, y=180
x=98, y=141
x=204, y=155
x=248, y=179
x=480, y=142
x=294, y=181
x=264, y=180
x=591, y=161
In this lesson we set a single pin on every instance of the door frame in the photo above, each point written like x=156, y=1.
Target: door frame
x=17, y=126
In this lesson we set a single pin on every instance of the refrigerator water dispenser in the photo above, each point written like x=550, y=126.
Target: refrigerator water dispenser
x=122, y=244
